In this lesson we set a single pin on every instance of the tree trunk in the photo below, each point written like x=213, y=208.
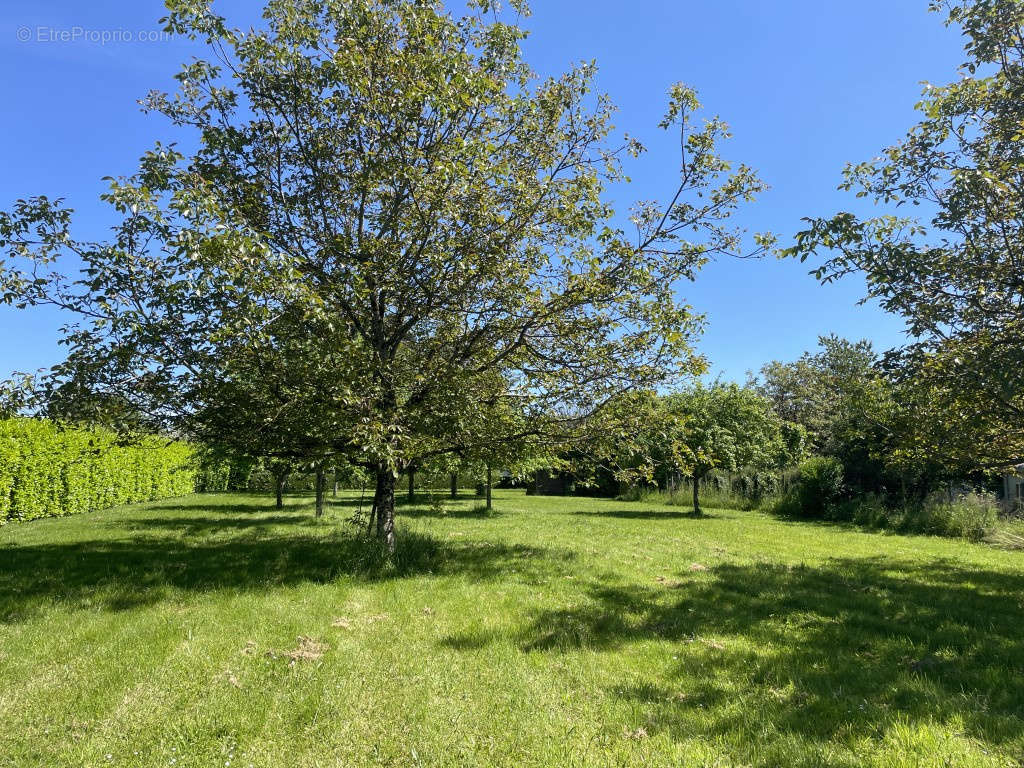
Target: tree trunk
x=279, y=481
x=373, y=506
x=696, y=497
x=335, y=490
x=412, y=485
x=488, y=486
x=455, y=485
x=321, y=484
x=386, y=507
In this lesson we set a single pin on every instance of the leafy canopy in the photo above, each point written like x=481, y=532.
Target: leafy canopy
x=391, y=231
x=954, y=271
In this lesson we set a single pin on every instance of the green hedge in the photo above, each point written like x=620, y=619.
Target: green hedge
x=48, y=470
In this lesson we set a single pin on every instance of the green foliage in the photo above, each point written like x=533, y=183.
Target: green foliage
x=854, y=409
x=693, y=433
x=819, y=485
x=702, y=429
x=48, y=470
x=970, y=516
x=819, y=492
x=218, y=471
x=392, y=241
x=826, y=390
x=725, y=426
x=953, y=274
x=721, y=428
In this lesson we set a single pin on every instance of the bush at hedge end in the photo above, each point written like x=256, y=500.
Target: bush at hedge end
x=47, y=470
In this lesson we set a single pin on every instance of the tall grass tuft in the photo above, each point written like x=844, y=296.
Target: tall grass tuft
x=972, y=516
x=968, y=516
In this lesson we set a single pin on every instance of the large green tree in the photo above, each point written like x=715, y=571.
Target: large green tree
x=879, y=422
x=954, y=271
x=824, y=389
x=436, y=212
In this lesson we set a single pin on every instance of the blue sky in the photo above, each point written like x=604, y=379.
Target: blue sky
x=806, y=85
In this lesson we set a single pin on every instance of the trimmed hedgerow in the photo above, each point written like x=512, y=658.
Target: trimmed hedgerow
x=48, y=470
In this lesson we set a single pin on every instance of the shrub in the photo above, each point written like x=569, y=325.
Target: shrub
x=816, y=490
x=819, y=493
x=638, y=493
x=48, y=470
x=869, y=510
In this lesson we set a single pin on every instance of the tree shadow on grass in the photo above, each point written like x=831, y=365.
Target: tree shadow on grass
x=254, y=504
x=478, y=512
x=442, y=495
x=121, y=574
x=214, y=512
x=650, y=514
x=842, y=651
x=799, y=520
x=196, y=525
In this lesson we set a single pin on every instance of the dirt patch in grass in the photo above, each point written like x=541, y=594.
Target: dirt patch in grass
x=307, y=649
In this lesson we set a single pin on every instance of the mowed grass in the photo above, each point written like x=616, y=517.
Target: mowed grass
x=218, y=631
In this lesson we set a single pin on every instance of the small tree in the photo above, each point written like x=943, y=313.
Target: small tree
x=723, y=426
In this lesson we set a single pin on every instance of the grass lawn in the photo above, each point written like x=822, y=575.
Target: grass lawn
x=218, y=631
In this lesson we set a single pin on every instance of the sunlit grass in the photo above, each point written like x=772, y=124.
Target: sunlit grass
x=555, y=632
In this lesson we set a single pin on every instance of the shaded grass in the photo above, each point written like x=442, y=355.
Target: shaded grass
x=555, y=632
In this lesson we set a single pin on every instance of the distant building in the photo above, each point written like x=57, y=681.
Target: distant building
x=1013, y=487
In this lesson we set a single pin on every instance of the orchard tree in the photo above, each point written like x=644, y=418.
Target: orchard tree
x=954, y=273
x=283, y=401
x=436, y=212
x=640, y=440
x=723, y=426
